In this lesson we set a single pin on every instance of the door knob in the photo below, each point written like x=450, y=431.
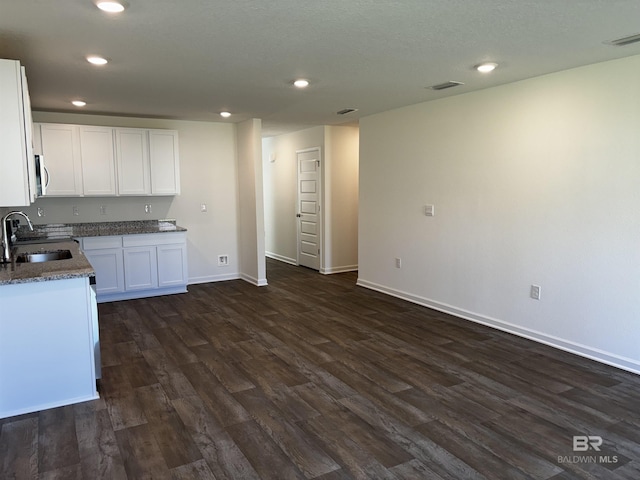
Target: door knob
x=298, y=215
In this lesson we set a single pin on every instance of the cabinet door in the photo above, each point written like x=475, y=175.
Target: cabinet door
x=132, y=155
x=141, y=268
x=28, y=130
x=165, y=162
x=172, y=265
x=109, y=267
x=15, y=139
x=61, y=150
x=98, y=161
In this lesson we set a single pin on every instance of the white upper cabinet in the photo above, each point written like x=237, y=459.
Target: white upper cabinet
x=132, y=156
x=106, y=161
x=16, y=153
x=61, y=151
x=165, y=162
x=98, y=161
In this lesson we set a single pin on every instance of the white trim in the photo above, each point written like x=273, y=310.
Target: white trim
x=281, y=258
x=48, y=405
x=586, y=351
x=214, y=278
x=134, y=294
x=342, y=269
x=258, y=282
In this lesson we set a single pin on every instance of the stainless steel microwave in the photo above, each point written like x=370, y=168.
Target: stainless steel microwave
x=42, y=176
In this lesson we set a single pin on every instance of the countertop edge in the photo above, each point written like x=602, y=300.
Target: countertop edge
x=76, y=267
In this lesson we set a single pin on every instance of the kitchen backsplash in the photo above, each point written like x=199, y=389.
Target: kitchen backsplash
x=97, y=209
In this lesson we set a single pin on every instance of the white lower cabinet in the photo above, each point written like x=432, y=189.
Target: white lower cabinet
x=172, y=265
x=141, y=265
x=108, y=262
x=138, y=266
x=105, y=256
x=47, y=349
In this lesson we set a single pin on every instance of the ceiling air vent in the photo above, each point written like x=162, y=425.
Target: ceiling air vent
x=347, y=111
x=621, y=42
x=445, y=85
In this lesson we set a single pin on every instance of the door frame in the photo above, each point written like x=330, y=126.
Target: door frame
x=320, y=205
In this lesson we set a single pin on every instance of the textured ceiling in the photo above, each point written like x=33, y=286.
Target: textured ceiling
x=190, y=59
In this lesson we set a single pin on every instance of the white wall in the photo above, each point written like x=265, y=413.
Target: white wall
x=208, y=175
x=250, y=202
x=535, y=182
x=341, y=199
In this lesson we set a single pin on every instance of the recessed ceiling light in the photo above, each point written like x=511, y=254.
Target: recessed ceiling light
x=225, y=114
x=95, y=60
x=301, y=83
x=110, y=6
x=79, y=103
x=486, y=67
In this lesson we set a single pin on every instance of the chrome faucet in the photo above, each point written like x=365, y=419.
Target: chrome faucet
x=6, y=241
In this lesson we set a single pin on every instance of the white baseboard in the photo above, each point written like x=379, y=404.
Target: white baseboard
x=214, y=278
x=586, y=351
x=134, y=294
x=342, y=269
x=48, y=405
x=282, y=258
x=258, y=282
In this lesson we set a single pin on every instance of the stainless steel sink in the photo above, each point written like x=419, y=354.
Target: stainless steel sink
x=37, y=257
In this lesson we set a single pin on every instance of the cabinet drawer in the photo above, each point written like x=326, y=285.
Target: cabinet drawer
x=144, y=239
x=94, y=243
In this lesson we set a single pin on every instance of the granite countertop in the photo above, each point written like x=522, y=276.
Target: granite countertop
x=58, y=236
x=74, y=267
x=59, y=231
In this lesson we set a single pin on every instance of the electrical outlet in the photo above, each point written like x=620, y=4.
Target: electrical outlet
x=223, y=260
x=203, y=207
x=535, y=292
x=76, y=212
x=103, y=209
x=40, y=212
x=429, y=210
x=147, y=208
x=398, y=262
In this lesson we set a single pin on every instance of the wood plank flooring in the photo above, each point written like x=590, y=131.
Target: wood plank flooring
x=313, y=377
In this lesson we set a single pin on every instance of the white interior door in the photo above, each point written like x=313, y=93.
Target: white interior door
x=308, y=212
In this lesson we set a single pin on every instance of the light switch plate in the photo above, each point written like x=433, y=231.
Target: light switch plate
x=429, y=210
x=536, y=292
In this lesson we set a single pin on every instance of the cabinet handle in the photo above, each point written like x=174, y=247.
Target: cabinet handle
x=46, y=184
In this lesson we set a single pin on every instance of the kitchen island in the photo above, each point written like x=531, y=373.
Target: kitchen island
x=48, y=331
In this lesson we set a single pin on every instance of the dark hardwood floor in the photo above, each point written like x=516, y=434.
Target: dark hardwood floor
x=313, y=377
